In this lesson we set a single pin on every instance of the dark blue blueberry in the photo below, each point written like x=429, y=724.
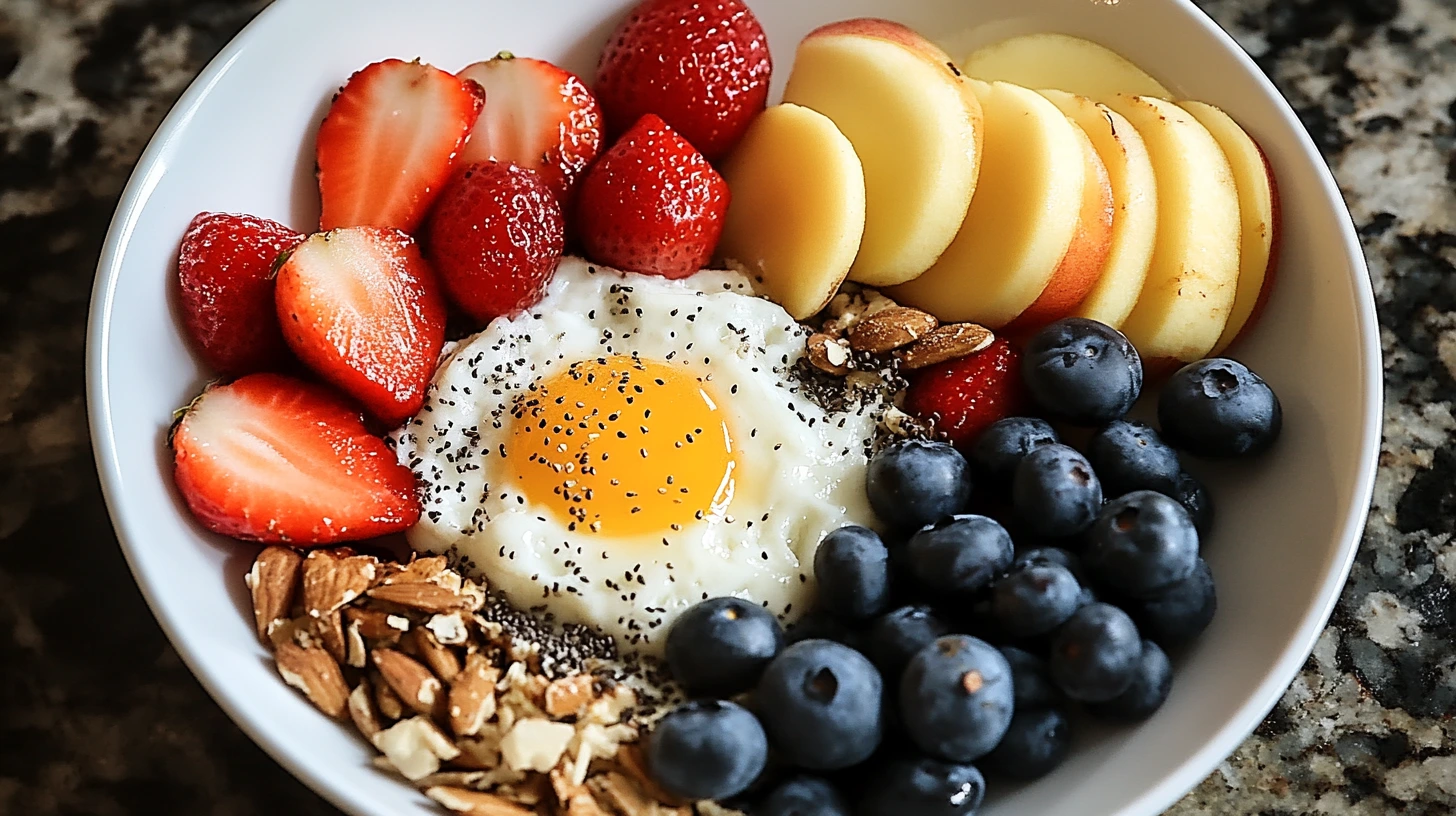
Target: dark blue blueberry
x=720, y=646
x=1030, y=680
x=820, y=625
x=707, y=749
x=1179, y=613
x=956, y=698
x=923, y=787
x=803, y=796
x=1002, y=446
x=1044, y=556
x=896, y=636
x=1056, y=492
x=820, y=702
x=1142, y=543
x=1037, y=741
x=1033, y=600
x=1082, y=371
x=1151, y=683
x=960, y=554
x=1218, y=408
x=852, y=570
x=1130, y=456
x=1190, y=493
x=912, y=483
x=1095, y=654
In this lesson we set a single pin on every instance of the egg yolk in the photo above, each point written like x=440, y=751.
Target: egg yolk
x=623, y=446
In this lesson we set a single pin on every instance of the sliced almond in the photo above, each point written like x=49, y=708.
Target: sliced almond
x=472, y=696
x=828, y=354
x=331, y=580
x=448, y=629
x=535, y=744
x=425, y=597
x=417, y=688
x=947, y=343
x=441, y=659
x=356, y=651
x=273, y=582
x=329, y=629
x=481, y=752
x=474, y=780
x=390, y=706
x=415, y=747
x=891, y=328
x=363, y=710
x=417, y=571
x=376, y=625
x=315, y=673
x=568, y=695
x=476, y=803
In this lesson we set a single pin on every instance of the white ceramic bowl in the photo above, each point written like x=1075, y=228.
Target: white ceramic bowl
x=241, y=139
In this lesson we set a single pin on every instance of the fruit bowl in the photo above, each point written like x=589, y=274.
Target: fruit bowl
x=241, y=140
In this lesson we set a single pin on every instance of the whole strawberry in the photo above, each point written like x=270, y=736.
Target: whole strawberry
x=963, y=397
x=702, y=65
x=495, y=238
x=225, y=272
x=652, y=204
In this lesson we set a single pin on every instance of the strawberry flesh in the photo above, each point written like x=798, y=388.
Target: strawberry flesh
x=963, y=397
x=363, y=309
x=273, y=459
x=225, y=275
x=389, y=143
x=652, y=204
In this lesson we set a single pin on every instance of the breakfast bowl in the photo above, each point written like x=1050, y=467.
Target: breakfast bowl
x=241, y=139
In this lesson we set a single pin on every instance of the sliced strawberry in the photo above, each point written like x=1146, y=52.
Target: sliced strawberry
x=702, y=65
x=225, y=268
x=652, y=204
x=274, y=459
x=389, y=143
x=495, y=237
x=964, y=396
x=363, y=309
x=536, y=115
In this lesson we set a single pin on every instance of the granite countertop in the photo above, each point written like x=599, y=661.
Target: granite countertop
x=99, y=716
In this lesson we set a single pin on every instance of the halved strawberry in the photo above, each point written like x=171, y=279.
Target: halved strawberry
x=362, y=308
x=225, y=272
x=536, y=115
x=389, y=143
x=274, y=459
x=962, y=397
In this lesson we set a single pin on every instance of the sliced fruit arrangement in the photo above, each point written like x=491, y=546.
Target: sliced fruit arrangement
x=1064, y=62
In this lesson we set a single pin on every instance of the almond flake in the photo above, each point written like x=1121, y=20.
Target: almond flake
x=425, y=597
x=448, y=629
x=441, y=660
x=331, y=581
x=571, y=795
x=472, y=696
x=828, y=354
x=568, y=695
x=417, y=571
x=415, y=747
x=376, y=625
x=316, y=674
x=454, y=779
x=891, y=328
x=481, y=752
x=363, y=711
x=356, y=652
x=416, y=686
x=273, y=583
x=476, y=803
x=535, y=744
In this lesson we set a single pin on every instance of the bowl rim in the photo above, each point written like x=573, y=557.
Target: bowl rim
x=1219, y=745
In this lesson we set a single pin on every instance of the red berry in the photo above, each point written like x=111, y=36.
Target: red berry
x=652, y=204
x=273, y=459
x=702, y=65
x=962, y=397
x=495, y=238
x=225, y=268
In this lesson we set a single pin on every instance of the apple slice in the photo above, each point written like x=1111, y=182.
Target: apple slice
x=797, y=209
x=1258, y=214
x=1022, y=220
x=1189, y=290
x=1135, y=203
x=1063, y=62
x=916, y=126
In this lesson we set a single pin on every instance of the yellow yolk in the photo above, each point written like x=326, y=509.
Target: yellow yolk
x=623, y=447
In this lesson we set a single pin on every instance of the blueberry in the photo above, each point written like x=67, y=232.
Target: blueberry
x=1037, y=741
x=803, y=796
x=912, y=483
x=1030, y=680
x=1055, y=492
x=1002, y=446
x=1033, y=600
x=1190, y=493
x=1142, y=543
x=1151, y=683
x=956, y=698
x=820, y=625
x=1219, y=408
x=1181, y=612
x=720, y=646
x=959, y=554
x=1095, y=654
x=820, y=702
x=895, y=637
x=923, y=787
x=1130, y=456
x=707, y=749
x=1082, y=371
x=852, y=570
x=1045, y=556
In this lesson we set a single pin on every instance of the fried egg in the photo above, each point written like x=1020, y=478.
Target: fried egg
x=632, y=446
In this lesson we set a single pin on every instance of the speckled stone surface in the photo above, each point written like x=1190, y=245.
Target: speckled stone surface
x=98, y=715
